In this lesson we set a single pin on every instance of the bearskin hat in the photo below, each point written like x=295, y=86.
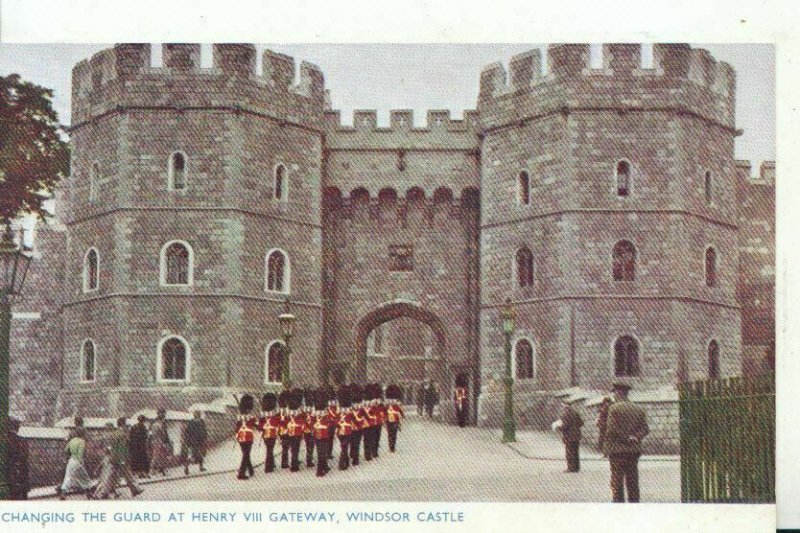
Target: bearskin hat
x=269, y=401
x=330, y=392
x=344, y=395
x=283, y=399
x=246, y=404
x=393, y=392
x=295, y=398
x=308, y=397
x=461, y=380
x=356, y=393
x=320, y=399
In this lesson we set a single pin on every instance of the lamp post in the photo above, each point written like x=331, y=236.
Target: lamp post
x=507, y=316
x=14, y=263
x=286, y=320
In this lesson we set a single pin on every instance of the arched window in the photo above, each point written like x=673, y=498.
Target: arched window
x=91, y=270
x=711, y=267
x=524, y=267
x=173, y=359
x=623, y=178
x=708, y=184
x=281, y=185
x=523, y=357
x=178, y=168
x=177, y=264
x=278, y=271
x=273, y=363
x=87, y=361
x=94, y=177
x=523, y=188
x=626, y=357
x=623, y=261
x=713, y=360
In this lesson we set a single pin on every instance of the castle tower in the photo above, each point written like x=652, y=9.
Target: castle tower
x=194, y=212
x=609, y=217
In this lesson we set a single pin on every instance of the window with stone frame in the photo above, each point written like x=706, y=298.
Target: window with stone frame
x=178, y=264
x=626, y=357
x=273, y=366
x=277, y=271
x=524, y=267
x=708, y=186
x=177, y=171
x=91, y=271
x=173, y=360
x=523, y=356
x=623, y=178
x=280, y=185
x=401, y=258
x=623, y=262
x=713, y=360
x=88, y=360
x=94, y=178
x=711, y=267
x=523, y=188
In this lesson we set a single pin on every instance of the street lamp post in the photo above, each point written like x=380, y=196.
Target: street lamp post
x=14, y=263
x=286, y=320
x=507, y=316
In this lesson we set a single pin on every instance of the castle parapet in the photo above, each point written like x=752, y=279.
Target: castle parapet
x=122, y=77
x=676, y=76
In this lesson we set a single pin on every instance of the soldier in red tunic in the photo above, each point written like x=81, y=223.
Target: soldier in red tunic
x=269, y=425
x=333, y=412
x=324, y=427
x=370, y=431
x=245, y=429
x=360, y=420
x=294, y=428
x=460, y=400
x=344, y=428
x=394, y=414
x=308, y=435
x=283, y=409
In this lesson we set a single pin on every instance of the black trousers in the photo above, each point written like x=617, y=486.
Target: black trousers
x=294, y=450
x=378, y=431
x=309, y=439
x=284, y=452
x=330, y=447
x=344, y=456
x=246, y=465
x=391, y=433
x=461, y=415
x=368, y=438
x=322, y=457
x=355, y=446
x=269, y=461
x=571, y=449
x=624, y=471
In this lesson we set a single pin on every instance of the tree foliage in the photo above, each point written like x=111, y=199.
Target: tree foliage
x=34, y=155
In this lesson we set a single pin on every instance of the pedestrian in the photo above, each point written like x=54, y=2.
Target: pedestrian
x=193, y=446
x=18, y=461
x=77, y=423
x=570, y=427
x=160, y=444
x=245, y=435
x=268, y=426
x=76, y=479
x=626, y=427
x=394, y=415
x=137, y=447
x=107, y=482
x=430, y=399
x=460, y=400
x=120, y=464
x=602, y=423
x=420, y=397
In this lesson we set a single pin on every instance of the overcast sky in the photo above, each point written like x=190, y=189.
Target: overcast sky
x=422, y=77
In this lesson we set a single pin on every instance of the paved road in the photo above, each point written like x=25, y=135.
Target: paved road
x=434, y=462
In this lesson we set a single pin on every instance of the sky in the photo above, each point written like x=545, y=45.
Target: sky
x=424, y=76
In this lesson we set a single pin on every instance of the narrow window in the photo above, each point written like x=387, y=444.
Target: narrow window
x=281, y=184
x=277, y=271
x=623, y=178
x=524, y=359
x=623, y=262
x=626, y=357
x=174, y=359
x=708, y=186
x=524, y=267
x=91, y=271
x=401, y=258
x=176, y=264
x=177, y=171
x=713, y=360
x=273, y=366
x=711, y=267
x=94, y=177
x=88, y=361
x=523, y=188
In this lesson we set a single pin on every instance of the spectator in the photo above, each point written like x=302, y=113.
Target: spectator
x=160, y=445
x=18, y=480
x=119, y=462
x=194, y=442
x=431, y=398
x=137, y=446
x=627, y=427
x=570, y=427
x=107, y=484
x=602, y=423
x=76, y=479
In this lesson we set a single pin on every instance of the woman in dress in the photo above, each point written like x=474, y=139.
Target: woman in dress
x=76, y=479
x=137, y=449
x=160, y=445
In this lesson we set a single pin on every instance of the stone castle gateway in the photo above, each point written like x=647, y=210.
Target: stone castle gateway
x=601, y=195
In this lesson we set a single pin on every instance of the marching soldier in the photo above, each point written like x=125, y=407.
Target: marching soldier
x=627, y=426
x=394, y=414
x=283, y=409
x=344, y=427
x=460, y=399
x=269, y=425
x=359, y=422
x=308, y=432
x=245, y=429
x=333, y=412
x=324, y=427
x=294, y=428
x=371, y=431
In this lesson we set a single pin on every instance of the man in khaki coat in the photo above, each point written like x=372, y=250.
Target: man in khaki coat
x=626, y=427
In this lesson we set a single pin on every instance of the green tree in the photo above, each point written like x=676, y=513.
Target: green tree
x=34, y=154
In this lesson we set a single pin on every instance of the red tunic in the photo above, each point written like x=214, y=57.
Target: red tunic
x=381, y=413
x=269, y=426
x=460, y=398
x=372, y=416
x=295, y=425
x=283, y=424
x=346, y=425
x=310, y=420
x=394, y=413
x=245, y=428
x=360, y=416
x=323, y=427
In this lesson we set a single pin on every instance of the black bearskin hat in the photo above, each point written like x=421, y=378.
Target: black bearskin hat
x=245, y=404
x=393, y=392
x=461, y=380
x=269, y=401
x=308, y=397
x=283, y=399
x=320, y=399
x=295, y=398
x=357, y=393
x=344, y=395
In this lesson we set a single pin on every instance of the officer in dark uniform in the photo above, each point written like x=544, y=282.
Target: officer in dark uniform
x=269, y=424
x=626, y=427
x=245, y=432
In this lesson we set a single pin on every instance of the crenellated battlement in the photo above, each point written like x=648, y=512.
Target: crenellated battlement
x=122, y=76
x=677, y=77
x=440, y=132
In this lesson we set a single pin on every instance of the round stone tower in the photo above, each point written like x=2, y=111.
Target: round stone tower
x=608, y=217
x=193, y=214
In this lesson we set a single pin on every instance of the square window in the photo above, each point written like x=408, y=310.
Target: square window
x=401, y=258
